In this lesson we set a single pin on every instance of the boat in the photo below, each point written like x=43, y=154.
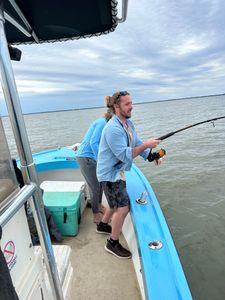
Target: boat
x=46, y=271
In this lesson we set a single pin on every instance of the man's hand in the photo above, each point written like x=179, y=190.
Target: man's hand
x=152, y=143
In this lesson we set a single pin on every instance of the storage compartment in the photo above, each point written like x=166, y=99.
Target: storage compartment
x=66, y=201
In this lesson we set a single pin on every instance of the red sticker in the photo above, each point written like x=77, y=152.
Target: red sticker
x=9, y=251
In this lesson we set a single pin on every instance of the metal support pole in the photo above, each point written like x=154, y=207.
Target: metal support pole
x=27, y=164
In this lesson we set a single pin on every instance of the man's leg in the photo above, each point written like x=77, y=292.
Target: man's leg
x=107, y=214
x=117, y=197
x=118, y=220
x=103, y=226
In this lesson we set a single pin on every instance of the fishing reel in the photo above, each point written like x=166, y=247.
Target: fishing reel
x=156, y=155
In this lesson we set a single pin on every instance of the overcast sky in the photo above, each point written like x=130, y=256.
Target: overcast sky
x=166, y=49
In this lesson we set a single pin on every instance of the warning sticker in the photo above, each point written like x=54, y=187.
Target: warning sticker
x=9, y=253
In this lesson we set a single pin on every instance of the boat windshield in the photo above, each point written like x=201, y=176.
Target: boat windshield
x=8, y=182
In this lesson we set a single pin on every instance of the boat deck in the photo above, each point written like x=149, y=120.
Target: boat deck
x=99, y=275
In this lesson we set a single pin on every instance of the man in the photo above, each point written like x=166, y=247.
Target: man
x=118, y=147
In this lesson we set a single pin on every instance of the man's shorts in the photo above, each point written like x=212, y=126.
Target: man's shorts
x=116, y=193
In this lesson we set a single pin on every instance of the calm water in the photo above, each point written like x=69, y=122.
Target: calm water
x=190, y=183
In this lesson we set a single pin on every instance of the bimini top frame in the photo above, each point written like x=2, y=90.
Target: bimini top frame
x=34, y=21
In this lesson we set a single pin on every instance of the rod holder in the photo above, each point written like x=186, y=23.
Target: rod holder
x=143, y=199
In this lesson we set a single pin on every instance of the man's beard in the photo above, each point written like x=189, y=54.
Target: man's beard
x=125, y=115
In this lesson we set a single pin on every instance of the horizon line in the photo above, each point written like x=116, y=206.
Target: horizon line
x=95, y=107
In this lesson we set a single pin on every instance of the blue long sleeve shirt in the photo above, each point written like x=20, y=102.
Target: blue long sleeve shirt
x=90, y=143
x=115, y=150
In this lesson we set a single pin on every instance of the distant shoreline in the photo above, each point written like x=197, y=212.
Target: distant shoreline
x=95, y=107
x=183, y=98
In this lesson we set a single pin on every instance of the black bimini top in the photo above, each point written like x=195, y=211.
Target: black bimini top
x=39, y=21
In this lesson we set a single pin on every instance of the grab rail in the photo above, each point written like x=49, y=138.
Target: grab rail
x=17, y=202
x=124, y=12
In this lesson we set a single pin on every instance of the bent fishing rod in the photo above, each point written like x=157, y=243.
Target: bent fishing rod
x=162, y=152
x=163, y=137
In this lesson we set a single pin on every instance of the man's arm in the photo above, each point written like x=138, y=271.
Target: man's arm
x=150, y=143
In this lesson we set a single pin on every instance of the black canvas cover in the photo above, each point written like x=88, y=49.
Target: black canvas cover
x=55, y=20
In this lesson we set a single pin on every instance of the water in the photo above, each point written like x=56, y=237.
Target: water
x=190, y=183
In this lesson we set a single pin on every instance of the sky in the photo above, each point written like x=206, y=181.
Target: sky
x=166, y=49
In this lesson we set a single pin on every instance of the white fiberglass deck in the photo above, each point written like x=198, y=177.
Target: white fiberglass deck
x=99, y=275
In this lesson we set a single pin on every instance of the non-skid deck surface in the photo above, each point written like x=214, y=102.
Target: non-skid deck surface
x=99, y=275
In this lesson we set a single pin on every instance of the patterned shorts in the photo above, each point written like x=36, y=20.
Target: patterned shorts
x=116, y=193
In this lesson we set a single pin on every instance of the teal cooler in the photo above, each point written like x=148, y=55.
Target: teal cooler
x=65, y=209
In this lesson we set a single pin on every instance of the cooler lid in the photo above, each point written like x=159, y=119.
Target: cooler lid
x=62, y=186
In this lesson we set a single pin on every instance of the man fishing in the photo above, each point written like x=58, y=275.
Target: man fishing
x=119, y=145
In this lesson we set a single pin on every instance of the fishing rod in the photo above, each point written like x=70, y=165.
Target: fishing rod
x=163, y=137
x=162, y=152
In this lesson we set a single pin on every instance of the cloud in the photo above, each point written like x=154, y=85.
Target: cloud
x=190, y=46
x=165, y=49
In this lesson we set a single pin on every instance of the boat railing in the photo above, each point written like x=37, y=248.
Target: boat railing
x=16, y=202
